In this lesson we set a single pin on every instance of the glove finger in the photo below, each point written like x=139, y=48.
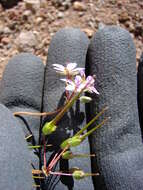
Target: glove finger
x=21, y=88
x=68, y=45
x=15, y=157
x=118, y=146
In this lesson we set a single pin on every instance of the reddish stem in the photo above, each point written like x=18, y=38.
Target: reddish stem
x=58, y=157
x=51, y=163
x=60, y=173
x=45, y=162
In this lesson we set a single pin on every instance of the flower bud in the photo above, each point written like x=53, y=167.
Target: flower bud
x=67, y=155
x=74, y=141
x=78, y=174
x=49, y=128
x=85, y=99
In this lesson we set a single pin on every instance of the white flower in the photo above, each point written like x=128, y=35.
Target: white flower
x=69, y=70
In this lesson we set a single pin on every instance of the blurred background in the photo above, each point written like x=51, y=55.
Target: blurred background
x=28, y=25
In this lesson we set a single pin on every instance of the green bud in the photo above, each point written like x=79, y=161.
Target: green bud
x=64, y=144
x=74, y=141
x=49, y=128
x=85, y=99
x=67, y=155
x=78, y=174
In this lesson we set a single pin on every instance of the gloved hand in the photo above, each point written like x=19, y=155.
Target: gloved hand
x=117, y=145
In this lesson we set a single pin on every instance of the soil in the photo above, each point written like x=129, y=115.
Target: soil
x=46, y=18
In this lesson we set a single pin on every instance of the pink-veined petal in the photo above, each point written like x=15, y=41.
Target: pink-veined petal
x=90, y=79
x=82, y=73
x=71, y=66
x=92, y=89
x=78, y=80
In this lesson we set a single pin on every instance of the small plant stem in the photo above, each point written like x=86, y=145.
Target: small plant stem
x=90, y=174
x=35, y=186
x=58, y=157
x=83, y=155
x=92, y=121
x=70, y=174
x=45, y=162
x=28, y=137
x=51, y=163
x=39, y=146
x=67, y=106
x=94, y=128
x=37, y=172
x=38, y=177
x=37, y=114
x=60, y=173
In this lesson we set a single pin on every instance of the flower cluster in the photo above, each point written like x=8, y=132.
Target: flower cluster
x=81, y=83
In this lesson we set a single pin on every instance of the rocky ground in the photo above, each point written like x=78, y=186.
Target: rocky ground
x=29, y=26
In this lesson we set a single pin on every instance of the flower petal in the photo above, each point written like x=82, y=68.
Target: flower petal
x=78, y=80
x=90, y=79
x=79, y=69
x=82, y=73
x=65, y=80
x=60, y=72
x=92, y=89
x=59, y=67
x=71, y=66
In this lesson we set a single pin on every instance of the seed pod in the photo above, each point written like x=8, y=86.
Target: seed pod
x=78, y=174
x=49, y=128
x=85, y=99
x=74, y=141
x=67, y=155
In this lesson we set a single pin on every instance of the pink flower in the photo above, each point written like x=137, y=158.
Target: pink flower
x=70, y=69
x=81, y=83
